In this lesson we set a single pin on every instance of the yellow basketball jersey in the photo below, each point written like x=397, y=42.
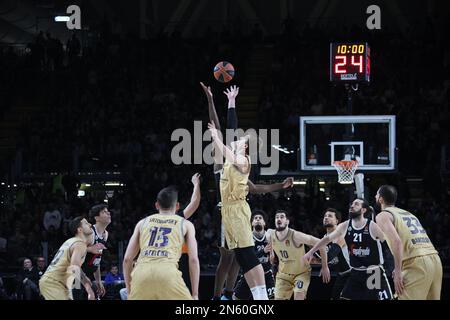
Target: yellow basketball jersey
x=289, y=255
x=57, y=270
x=415, y=241
x=233, y=183
x=161, y=239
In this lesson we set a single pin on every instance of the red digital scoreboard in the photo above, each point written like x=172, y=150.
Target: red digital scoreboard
x=349, y=62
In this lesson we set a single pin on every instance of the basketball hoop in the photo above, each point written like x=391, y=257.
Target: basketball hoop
x=346, y=170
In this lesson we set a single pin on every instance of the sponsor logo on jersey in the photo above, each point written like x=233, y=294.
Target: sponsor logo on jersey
x=361, y=252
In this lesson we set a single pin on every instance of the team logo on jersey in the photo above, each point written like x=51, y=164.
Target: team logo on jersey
x=299, y=284
x=288, y=243
x=366, y=229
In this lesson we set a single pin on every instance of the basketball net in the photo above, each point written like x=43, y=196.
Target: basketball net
x=346, y=170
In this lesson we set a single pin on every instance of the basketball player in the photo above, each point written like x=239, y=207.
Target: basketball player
x=262, y=250
x=158, y=240
x=337, y=253
x=418, y=268
x=57, y=281
x=101, y=217
x=228, y=269
x=294, y=274
x=236, y=212
x=362, y=237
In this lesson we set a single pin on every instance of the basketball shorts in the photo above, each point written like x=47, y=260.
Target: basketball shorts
x=158, y=281
x=422, y=277
x=237, y=227
x=367, y=285
x=339, y=285
x=53, y=290
x=287, y=284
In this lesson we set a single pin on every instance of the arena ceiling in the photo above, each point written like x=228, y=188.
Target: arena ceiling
x=20, y=20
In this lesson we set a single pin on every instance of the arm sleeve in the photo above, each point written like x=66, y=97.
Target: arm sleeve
x=232, y=120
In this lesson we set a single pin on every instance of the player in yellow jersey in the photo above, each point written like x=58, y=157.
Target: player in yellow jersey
x=65, y=269
x=293, y=274
x=158, y=239
x=418, y=269
x=228, y=268
x=236, y=213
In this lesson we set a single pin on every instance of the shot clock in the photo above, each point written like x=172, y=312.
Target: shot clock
x=349, y=62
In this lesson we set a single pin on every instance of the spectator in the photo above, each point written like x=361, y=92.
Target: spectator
x=28, y=282
x=40, y=266
x=114, y=277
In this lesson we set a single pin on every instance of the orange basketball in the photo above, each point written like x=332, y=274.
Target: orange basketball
x=224, y=71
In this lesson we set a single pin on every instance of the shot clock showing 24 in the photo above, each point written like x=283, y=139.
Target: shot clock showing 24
x=349, y=62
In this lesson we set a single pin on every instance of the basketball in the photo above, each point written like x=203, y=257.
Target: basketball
x=224, y=71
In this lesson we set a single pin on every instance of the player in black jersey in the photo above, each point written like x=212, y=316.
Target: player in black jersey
x=101, y=218
x=362, y=236
x=337, y=253
x=262, y=249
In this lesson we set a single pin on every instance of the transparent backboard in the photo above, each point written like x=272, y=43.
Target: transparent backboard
x=368, y=139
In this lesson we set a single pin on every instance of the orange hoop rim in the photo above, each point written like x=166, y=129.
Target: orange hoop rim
x=346, y=163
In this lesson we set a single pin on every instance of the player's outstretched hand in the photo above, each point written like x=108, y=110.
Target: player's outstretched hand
x=325, y=273
x=207, y=91
x=97, y=248
x=196, y=179
x=101, y=291
x=232, y=92
x=288, y=182
x=398, y=281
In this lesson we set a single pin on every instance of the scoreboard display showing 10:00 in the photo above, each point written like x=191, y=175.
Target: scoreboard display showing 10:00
x=349, y=62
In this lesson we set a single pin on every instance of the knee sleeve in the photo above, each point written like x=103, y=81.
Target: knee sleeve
x=246, y=257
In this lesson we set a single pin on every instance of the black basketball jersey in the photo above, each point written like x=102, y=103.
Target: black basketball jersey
x=92, y=261
x=338, y=260
x=263, y=257
x=363, y=250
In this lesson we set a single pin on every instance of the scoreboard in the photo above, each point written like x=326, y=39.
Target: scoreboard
x=350, y=62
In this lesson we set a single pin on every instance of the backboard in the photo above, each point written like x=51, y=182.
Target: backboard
x=370, y=140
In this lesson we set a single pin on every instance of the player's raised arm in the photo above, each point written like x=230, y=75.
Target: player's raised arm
x=232, y=120
x=195, y=198
x=239, y=160
x=211, y=108
x=131, y=253
x=266, y=188
x=194, y=264
x=387, y=227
